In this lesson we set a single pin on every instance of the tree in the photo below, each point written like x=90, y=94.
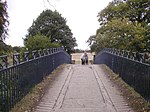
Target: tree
x=124, y=24
x=122, y=34
x=3, y=20
x=92, y=43
x=4, y=49
x=53, y=25
x=135, y=10
x=17, y=49
x=38, y=42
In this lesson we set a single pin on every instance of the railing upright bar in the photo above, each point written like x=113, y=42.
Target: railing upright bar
x=132, y=67
x=16, y=80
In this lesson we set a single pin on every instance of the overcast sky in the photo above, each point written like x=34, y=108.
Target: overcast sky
x=81, y=17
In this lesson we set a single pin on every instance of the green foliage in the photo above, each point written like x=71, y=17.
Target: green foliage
x=39, y=42
x=17, y=49
x=122, y=34
x=135, y=10
x=125, y=24
x=3, y=20
x=53, y=25
x=4, y=49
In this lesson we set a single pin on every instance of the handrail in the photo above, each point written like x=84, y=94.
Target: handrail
x=133, y=68
x=17, y=80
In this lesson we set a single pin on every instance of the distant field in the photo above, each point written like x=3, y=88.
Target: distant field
x=76, y=57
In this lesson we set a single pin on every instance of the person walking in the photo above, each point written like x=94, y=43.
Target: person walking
x=84, y=58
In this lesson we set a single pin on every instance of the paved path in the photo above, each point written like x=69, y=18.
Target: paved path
x=82, y=88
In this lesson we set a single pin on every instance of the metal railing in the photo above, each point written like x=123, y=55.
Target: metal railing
x=17, y=80
x=131, y=67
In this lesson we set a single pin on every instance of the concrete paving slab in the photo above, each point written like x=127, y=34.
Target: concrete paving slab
x=82, y=88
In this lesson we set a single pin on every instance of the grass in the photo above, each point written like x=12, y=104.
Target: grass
x=134, y=99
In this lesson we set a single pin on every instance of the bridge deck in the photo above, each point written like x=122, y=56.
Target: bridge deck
x=82, y=88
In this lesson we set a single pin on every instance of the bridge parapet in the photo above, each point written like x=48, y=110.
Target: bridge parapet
x=28, y=55
x=141, y=57
x=3, y=62
x=25, y=71
x=132, y=67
